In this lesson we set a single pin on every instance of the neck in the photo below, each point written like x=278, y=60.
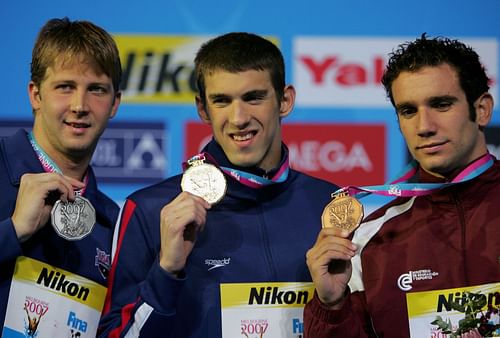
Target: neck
x=57, y=161
x=452, y=174
x=74, y=168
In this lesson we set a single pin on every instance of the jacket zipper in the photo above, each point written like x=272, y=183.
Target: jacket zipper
x=267, y=245
x=461, y=217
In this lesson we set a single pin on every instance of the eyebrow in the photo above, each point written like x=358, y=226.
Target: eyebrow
x=251, y=93
x=216, y=97
x=436, y=99
x=431, y=101
x=256, y=93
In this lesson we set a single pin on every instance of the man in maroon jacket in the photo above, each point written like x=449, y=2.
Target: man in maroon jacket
x=415, y=259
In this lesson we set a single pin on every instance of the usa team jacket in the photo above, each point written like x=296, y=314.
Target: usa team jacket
x=252, y=235
x=88, y=257
x=453, y=235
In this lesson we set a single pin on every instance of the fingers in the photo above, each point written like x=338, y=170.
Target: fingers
x=49, y=185
x=36, y=196
x=332, y=243
x=329, y=262
x=185, y=209
x=180, y=221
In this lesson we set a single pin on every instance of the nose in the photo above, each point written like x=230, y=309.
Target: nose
x=239, y=115
x=79, y=103
x=425, y=122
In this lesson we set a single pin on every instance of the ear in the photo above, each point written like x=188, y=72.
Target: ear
x=202, y=112
x=288, y=101
x=34, y=95
x=116, y=103
x=484, y=109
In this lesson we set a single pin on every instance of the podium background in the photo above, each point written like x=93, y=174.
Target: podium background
x=342, y=129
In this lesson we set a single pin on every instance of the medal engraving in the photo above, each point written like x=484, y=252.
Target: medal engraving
x=204, y=180
x=343, y=211
x=73, y=220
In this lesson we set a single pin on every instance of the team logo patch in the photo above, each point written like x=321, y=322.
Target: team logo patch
x=103, y=262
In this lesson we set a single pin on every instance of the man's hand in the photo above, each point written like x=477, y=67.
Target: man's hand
x=329, y=262
x=180, y=221
x=35, y=199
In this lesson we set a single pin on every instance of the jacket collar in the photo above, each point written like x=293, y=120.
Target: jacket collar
x=240, y=191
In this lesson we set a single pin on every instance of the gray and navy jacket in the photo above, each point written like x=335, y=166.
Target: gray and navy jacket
x=252, y=235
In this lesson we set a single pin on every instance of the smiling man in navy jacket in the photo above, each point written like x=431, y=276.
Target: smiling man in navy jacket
x=176, y=250
x=56, y=227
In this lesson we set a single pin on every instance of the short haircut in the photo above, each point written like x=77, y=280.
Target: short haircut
x=412, y=56
x=238, y=52
x=75, y=41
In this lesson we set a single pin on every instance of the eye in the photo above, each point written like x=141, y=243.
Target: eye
x=255, y=97
x=64, y=87
x=443, y=105
x=98, y=89
x=221, y=101
x=406, y=111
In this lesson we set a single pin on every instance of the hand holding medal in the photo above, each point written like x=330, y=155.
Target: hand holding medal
x=37, y=196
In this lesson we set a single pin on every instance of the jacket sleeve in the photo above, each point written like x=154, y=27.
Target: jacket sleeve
x=11, y=248
x=141, y=295
x=352, y=321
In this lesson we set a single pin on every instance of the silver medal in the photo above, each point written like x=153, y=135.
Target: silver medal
x=204, y=180
x=73, y=220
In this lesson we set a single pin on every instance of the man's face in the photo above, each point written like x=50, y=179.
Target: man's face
x=434, y=118
x=244, y=114
x=72, y=107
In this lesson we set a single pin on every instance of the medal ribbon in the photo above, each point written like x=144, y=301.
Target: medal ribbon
x=48, y=164
x=248, y=179
x=395, y=188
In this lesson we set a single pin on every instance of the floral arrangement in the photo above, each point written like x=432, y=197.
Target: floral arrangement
x=476, y=322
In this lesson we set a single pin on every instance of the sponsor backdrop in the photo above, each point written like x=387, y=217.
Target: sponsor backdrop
x=342, y=129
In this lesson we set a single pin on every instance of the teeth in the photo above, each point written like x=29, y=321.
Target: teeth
x=242, y=137
x=78, y=125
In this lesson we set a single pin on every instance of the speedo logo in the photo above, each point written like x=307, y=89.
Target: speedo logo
x=405, y=280
x=217, y=263
x=57, y=281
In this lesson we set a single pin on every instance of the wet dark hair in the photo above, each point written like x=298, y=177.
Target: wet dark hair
x=424, y=51
x=238, y=52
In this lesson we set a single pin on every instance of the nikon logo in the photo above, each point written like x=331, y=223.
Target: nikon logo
x=460, y=298
x=58, y=282
x=158, y=69
x=156, y=75
x=272, y=295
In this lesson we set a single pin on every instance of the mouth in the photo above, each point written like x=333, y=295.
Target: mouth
x=242, y=137
x=77, y=125
x=431, y=147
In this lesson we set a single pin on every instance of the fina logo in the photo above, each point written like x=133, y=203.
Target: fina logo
x=131, y=152
x=147, y=144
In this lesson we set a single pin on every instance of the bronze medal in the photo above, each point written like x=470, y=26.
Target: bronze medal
x=343, y=211
x=204, y=180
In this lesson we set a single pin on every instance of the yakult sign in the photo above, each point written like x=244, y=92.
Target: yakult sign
x=351, y=154
x=346, y=72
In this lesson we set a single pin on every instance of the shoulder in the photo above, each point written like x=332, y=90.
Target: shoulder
x=391, y=209
x=158, y=193
x=311, y=182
